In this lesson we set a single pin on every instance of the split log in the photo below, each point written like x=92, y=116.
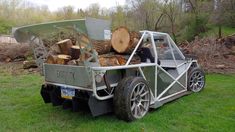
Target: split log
x=51, y=59
x=63, y=59
x=117, y=60
x=124, y=41
x=122, y=59
x=65, y=46
x=101, y=46
x=108, y=60
x=75, y=52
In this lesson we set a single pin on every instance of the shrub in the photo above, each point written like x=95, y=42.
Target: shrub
x=195, y=24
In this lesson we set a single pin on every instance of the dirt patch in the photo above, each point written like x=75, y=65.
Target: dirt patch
x=214, y=55
x=16, y=68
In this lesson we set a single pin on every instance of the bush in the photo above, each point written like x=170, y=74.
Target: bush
x=229, y=19
x=195, y=24
x=5, y=26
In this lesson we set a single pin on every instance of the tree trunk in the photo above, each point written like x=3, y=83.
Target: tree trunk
x=158, y=21
x=220, y=31
x=124, y=41
x=65, y=46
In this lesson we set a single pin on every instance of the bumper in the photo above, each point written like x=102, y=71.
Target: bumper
x=83, y=100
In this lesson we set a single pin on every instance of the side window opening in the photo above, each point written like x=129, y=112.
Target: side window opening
x=163, y=48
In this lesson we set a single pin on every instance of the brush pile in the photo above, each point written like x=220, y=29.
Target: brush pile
x=214, y=55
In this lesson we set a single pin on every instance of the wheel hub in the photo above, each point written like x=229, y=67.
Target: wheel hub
x=137, y=100
x=140, y=100
x=197, y=81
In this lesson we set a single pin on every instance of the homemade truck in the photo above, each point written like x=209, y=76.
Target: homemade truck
x=129, y=90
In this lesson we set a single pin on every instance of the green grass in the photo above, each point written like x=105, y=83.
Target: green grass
x=213, y=31
x=22, y=109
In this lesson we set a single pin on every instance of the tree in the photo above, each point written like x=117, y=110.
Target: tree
x=93, y=10
x=145, y=13
x=119, y=17
x=218, y=11
x=5, y=27
x=66, y=12
x=171, y=10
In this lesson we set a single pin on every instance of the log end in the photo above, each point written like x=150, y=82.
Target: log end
x=120, y=39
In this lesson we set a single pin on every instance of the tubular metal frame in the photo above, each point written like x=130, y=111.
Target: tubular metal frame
x=140, y=66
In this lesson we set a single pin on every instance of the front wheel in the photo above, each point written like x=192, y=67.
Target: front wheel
x=131, y=98
x=196, y=79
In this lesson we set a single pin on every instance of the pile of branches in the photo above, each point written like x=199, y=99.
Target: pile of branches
x=214, y=55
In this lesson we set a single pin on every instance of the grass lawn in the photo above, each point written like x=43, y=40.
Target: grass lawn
x=22, y=109
x=213, y=31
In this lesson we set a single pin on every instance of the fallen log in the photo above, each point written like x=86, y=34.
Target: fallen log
x=124, y=41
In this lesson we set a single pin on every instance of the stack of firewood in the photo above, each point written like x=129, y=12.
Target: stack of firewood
x=110, y=52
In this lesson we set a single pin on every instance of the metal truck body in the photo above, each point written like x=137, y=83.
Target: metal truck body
x=170, y=76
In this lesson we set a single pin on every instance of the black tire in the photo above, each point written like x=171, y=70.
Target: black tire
x=196, y=80
x=128, y=105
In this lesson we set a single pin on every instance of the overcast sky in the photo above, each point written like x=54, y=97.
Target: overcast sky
x=55, y=4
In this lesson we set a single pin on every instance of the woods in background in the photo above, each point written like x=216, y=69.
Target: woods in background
x=183, y=19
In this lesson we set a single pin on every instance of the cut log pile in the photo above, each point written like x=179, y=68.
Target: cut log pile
x=112, y=52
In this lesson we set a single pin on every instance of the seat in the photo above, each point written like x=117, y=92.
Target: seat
x=145, y=53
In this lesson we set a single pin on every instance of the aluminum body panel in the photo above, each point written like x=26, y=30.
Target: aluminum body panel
x=95, y=28
x=69, y=75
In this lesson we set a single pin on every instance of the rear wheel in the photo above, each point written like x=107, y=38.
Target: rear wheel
x=196, y=79
x=131, y=98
